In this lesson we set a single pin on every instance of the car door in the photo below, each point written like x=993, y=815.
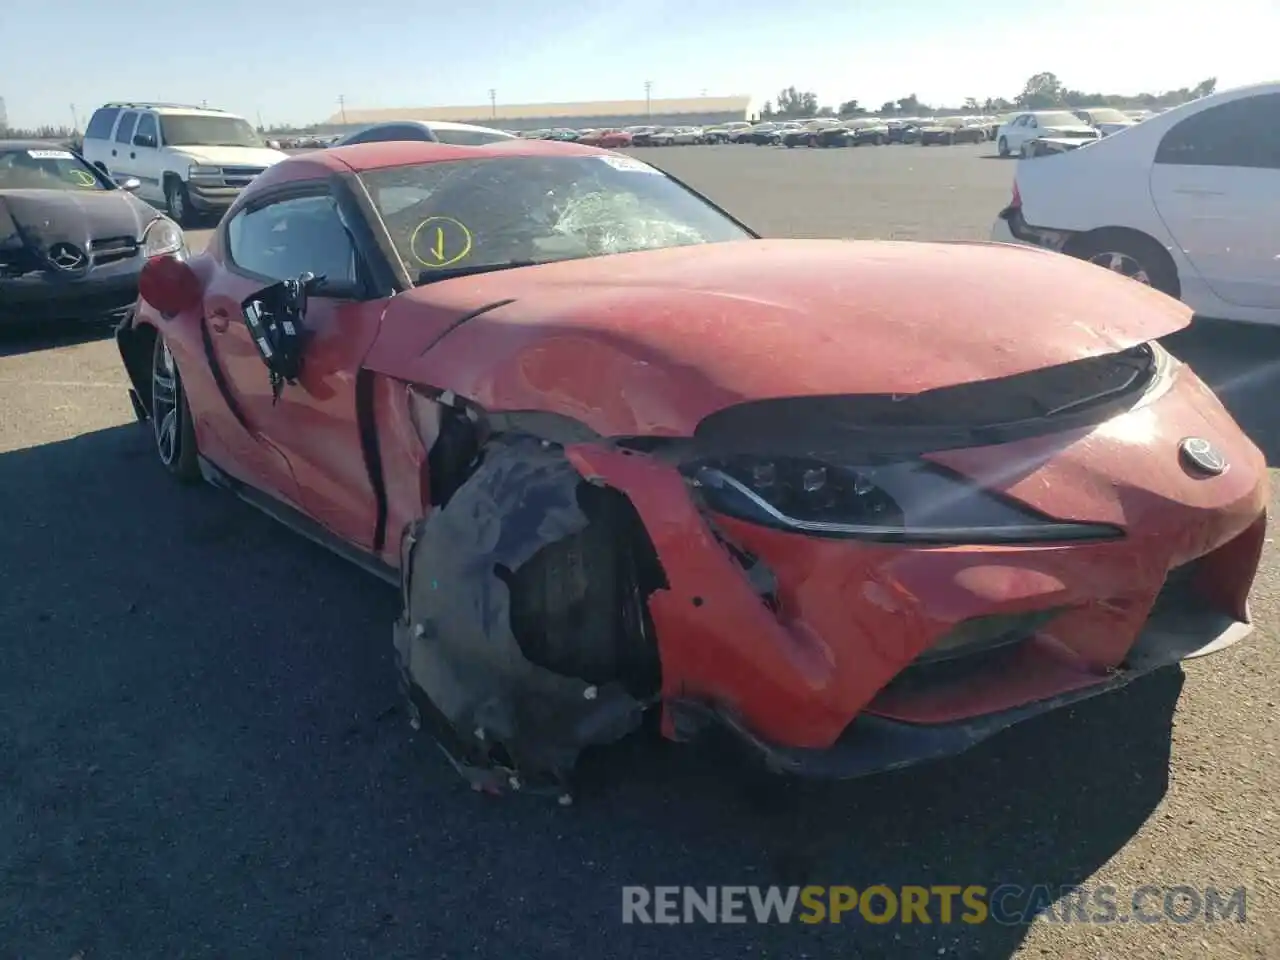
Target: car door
x=1216, y=185
x=144, y=157
x=1028, y=130
x=121, y=145
x=314, y=423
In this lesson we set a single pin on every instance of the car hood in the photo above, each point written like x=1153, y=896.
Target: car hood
x=652, y=342
x=41, y=218
x=1067, y=128
x=231, y=156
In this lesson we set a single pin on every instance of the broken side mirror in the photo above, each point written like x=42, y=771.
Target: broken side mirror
x=169, y=285
x=275, y=317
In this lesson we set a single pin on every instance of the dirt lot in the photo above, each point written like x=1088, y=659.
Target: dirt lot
x=202, y=751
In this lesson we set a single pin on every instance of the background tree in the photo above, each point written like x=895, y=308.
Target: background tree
x=850, y=108
x=911, y=104
x=797, y=103
x=1041, y=91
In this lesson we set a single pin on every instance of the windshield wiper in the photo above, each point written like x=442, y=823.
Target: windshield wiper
x=430, y=275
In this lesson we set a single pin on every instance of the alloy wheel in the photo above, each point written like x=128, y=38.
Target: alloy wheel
x=164, y=405
x=1123, y=264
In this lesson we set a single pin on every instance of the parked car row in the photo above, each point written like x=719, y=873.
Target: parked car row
x=1012, y=131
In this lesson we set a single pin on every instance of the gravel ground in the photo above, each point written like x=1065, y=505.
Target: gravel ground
x=190, y=768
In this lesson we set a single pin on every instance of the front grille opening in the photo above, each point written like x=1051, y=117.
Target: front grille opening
x=113, y=249
x=971, y=648
x=1180, y=590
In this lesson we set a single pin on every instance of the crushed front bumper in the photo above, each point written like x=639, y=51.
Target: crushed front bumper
x=827, y=670
x=877, y=744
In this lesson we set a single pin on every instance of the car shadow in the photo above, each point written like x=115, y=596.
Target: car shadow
x=1241, y=362
x=206, y=751
x=20, y=338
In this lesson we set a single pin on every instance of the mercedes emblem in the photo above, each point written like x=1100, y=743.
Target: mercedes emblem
x=1201, y=456
x=67, y=256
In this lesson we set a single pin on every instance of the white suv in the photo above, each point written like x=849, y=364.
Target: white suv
x=191, y=160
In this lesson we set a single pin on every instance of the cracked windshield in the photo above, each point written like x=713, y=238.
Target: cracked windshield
x=587, y=480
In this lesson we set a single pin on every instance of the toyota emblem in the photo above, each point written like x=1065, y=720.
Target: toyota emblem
x=1201, y=456
x=67, y=256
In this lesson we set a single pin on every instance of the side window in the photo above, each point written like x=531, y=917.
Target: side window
x=1033, y=122
x=288, y=238
x=1242, y=133
x=148, y=130
x=124, y=132
x=1021, y=121
x=100, y=124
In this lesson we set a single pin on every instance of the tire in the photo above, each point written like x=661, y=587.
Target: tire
x=577, y=606
x=1003, y=147
x=177, y=202
x=171, y=424
x=1130, y=254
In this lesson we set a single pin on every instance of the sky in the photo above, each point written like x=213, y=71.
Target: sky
x=288, y=61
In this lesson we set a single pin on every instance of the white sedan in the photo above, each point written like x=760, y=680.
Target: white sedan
x=1106, y=120
x=1187, y=202
x=1022, y=128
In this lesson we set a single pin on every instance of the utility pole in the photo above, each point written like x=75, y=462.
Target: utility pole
x=262, y=127
x=648, y=102
x=342, y=107
x=75, y=119
x=493, y=104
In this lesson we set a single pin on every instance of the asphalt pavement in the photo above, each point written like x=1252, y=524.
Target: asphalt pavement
x=203, y=753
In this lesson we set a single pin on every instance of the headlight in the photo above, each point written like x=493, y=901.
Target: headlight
x=164, y=238
x=198, y=172
x=912, y=501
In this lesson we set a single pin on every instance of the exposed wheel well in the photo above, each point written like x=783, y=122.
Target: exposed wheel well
x=1128, y=238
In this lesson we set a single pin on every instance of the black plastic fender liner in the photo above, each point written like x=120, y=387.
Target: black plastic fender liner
x=511, y=722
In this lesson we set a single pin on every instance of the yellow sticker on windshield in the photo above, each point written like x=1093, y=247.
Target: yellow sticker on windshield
x=81, y=178
x=440, y=242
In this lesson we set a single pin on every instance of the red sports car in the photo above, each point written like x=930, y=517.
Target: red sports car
x=611, y=139
x=620, y=453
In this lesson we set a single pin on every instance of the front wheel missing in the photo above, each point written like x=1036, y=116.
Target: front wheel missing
x=524, y=633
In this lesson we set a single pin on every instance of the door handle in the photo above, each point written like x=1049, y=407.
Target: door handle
x=133, y=156
x=113, y=153
x=219, y=320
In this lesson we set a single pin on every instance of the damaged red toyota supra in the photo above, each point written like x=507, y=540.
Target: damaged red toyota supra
x=621, y=454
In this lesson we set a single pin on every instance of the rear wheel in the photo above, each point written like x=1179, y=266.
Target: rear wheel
x=1130, y=254
x=171, y=424
x=1003, y=147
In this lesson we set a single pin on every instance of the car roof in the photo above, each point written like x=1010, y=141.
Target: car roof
x=9, y=146
x=399, y=153
x=435, y=125
x=170, y=108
